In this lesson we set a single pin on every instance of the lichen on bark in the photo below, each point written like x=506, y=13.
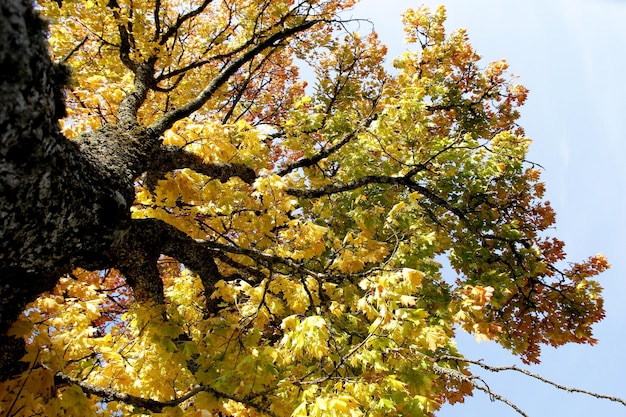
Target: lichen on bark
x=64, y=203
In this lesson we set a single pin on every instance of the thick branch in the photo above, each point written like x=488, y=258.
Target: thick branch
x=137, y=257
x=125, y=38
x=144, y=78
x=195, y=256
x=171, y=158
x=146, y=241
x=157, y=20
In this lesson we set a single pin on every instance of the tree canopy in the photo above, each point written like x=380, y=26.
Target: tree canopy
x=271, y=247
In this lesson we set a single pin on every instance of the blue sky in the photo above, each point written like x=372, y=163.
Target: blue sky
x=571, y=54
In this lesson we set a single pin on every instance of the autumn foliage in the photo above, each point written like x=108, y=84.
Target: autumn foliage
x=385, y=208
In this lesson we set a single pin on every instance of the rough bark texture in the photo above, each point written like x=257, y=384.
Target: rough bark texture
x=32, y=156
x=66, y=204
x=62, y=203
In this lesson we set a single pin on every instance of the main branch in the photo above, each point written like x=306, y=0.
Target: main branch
x=171, y=158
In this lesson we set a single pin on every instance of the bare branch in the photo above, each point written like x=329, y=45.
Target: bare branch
x=536, y=376
x=353, y=185
x=113, y=395
x=380, y=179
x=75, y=49
x=340, y=188
x=157, y=20
x=180, y=72
x=249, y=271
x=241, y=89
x=182, y=19
x=473, y=381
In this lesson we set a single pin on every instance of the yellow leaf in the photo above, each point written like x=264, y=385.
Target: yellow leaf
x=408, y=300
x=20, y=328
x=413, y=276
x=301, y=410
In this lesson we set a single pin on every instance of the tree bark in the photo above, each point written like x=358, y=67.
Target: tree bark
x=52, y=198
x=64, y=203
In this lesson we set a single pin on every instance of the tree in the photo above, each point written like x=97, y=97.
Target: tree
x=204, y=234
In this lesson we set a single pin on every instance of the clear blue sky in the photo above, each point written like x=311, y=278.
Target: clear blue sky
x=571, y=54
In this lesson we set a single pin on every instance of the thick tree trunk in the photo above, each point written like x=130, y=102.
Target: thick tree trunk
x=32, y=156
x=63, y=203
x=66, y=204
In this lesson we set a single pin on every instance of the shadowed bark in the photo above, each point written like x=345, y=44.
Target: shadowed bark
x=66, y=204
x=36, y=172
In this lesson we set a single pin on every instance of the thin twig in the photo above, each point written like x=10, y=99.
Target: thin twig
x=536, y=376
x=471, y=379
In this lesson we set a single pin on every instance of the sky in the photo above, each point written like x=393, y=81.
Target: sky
x=571, y=54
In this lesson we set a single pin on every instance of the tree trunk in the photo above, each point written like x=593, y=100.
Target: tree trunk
x=64, y=203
